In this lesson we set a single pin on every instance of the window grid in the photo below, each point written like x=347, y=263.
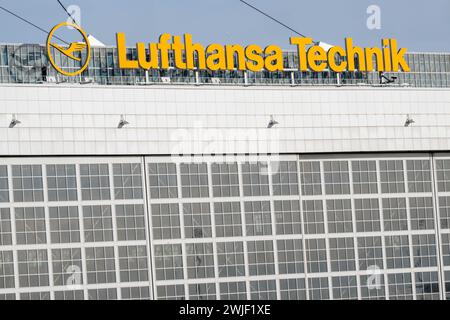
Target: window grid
x=263, y=290
x=64, y=224
x=33, y=268
x=318, y=288
x=162, y=180
x=127, y=181
x=130, y=222
x=421, y=211
x=427, y=285
x=287, y=217
x=342, y=254
x=400, y=286
x=313, y=217
x=292, y=289
x=95, y=182
x=171, y=292
x=255, y=179
x=27, y=183
x=102, y=294
x=100, y=265
x=168, y=262
x=98, y=224
x=316, y=255
x=345, y=288
x=133, y=263
x=424, y=250
x=30, y=225
x=419, y=175
x=397, y=252
x=444, y=212
x=443, y=175
x=202, y=291
x=258, y=218
x=166, y=221
x=445, y=243
x=336, y=177
x=225, y=179
x=6, y=270
x=373, y=288
x=367, y=215
x=233, y=291
x=200, y=260
x=260, y=257
x=35, y=296
x=228, y=219
x=310, y=178
x=61, y=182
x=364, y=176
x=290, y=256
x=339, y=216
x=370, y=253
x=230, y=259
x=423, y=247
x=284, y=178
x=197, y=220
x=67, y=267
x=392, y=176
x=135, y=293
x=5, y=227
x=394, y=214
x=69, y=295
x=194, y=180
x=4, y=186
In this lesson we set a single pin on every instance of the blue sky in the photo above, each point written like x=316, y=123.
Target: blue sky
x=418, y=25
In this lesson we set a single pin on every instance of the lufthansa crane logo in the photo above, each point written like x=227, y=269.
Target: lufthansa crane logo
x=72, y=51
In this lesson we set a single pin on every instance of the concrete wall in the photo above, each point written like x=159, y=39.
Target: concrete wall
x=76, y=119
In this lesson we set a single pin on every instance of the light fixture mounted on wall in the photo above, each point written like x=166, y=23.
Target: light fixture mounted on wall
x=14, y=121
x=122, y=122
x=409, y=121
x=272, y=122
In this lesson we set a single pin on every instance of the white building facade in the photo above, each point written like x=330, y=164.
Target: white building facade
x=184, y=192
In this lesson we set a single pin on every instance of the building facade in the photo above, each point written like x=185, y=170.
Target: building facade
x=142, y=191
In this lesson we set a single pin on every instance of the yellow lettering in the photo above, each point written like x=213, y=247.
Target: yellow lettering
x=370, y=52
x=142, y=56
x=231, y=52
x=255, y=62
x=216, y=57
x=274, y=58
x=301, y=48
x=332, y=59
x=190, y=49
x=124, y=63
x=178, y=48
x=351, y=52
x=164, y=47
x=386, y=55
x=398, y=59
x=317, y=54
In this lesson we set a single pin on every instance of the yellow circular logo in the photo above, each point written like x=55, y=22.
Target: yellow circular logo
x=70, y=50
